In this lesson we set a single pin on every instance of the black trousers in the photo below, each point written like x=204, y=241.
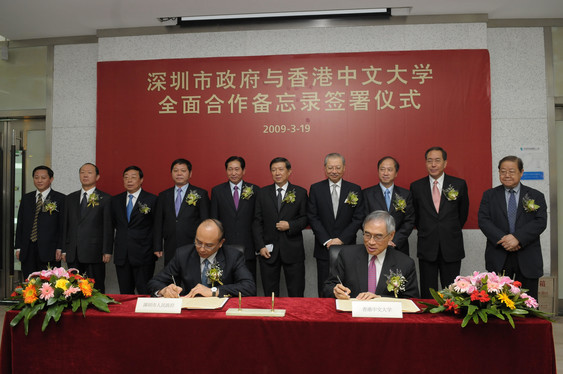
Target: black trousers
x=33, y=263
x=511, y=269
x=294, y=277
x=429, y=271
x=97, y=271
x=131, y=277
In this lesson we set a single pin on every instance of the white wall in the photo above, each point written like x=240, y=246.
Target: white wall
x=519, y=112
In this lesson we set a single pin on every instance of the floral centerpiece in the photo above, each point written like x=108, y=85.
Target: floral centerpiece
x=481, y=295
x=54, y=290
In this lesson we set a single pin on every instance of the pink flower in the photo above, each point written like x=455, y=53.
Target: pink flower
x=515, y=290
x=71, y=291
x=529, y=301
x=462, y=284
x=493, y=286
x=47, y=291
x=60, y=272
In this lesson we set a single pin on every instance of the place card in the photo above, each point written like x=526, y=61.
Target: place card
x=158, y=305
x=385, y=309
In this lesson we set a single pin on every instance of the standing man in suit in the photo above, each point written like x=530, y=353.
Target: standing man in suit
x=281, y=216
x=39, y=233
x=132, y=213
x=441, y=206
x=361, y=271
x=192, y=263
x=179, y=210
x=335, y=213
x=88, y=229
x=232, y=203
x=393, y=199
x=512, y=216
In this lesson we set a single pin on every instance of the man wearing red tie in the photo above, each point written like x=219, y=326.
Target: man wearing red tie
x=441, y=206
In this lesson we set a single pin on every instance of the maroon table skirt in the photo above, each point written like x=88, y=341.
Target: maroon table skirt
x=312, y=338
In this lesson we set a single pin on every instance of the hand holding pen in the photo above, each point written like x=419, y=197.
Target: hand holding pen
x=171, y=291
x=340, y=291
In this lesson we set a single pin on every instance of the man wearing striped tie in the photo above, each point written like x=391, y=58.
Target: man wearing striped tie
x=39, y=232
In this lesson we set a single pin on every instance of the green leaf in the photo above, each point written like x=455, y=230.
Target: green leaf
x=466, y=320
x=476, y=318
x=100, y=304
x=18, y=317
x=436, y=297
x=483, y=315
x=58, y=312
x=50, y=314
x=510, y=320
x=84, y=303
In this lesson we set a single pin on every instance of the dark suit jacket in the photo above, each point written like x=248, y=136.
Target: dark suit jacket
x=49, y=226
x=404, y=221
x=493, y=221
x=133, y=242
x=352, y=268
x=185, y=267
x=321, y=215
x=287, y=244
x=237, y=223
x=90, y=235
x=178, y=231
x=440, y=230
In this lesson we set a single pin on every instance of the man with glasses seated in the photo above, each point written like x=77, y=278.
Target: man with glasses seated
x=189, y=273
x=362, y=270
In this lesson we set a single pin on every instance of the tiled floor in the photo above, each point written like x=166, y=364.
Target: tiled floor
x=557, y=337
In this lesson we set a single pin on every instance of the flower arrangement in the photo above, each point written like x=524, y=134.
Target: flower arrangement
x=50, y=206
x=54, y=290
x=396, y=282
x=451, y=193
x=192, y=198
x=399, y=203
x=289, y=197
x=214, y=274
x=481, y=295
x=144, y=208
x=93, y=200
x=529, y=204
x=352, y=198
x=247, y=192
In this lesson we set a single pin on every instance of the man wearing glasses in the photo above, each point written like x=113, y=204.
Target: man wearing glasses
x=190, y=272
x=362, y=270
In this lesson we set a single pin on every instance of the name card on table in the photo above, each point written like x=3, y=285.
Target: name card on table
x=158, y=305
x=385, y=309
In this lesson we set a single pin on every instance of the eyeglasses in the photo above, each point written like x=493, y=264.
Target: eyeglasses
x=507, y=172
x=199, y=244
x=378, y=238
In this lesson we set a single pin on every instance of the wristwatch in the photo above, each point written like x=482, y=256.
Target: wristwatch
x=214, y=291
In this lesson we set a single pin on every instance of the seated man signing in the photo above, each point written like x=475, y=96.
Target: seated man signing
x=187, y=273
x=361, y=270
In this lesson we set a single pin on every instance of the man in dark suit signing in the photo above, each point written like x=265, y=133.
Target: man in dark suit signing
x=281, y=216
x=512, y=217
x=132, y=213
x=441, y=206
x=335, y=213
x=362, y=271
x=39, y=233
x=393, y=199
x=88, y=228
x=232, y=203
x=179, y=210
x=187, y=273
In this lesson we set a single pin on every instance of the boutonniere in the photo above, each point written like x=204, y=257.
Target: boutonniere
x=289, y=197
x=451, y=193
x=247, y=192
x=396, y=282
x=352, y=198
x=144, y=208
x=399, y=203
x=214, y=274
x=50, y=206
x=93, y=200
x=192, y=198
x=530, y=205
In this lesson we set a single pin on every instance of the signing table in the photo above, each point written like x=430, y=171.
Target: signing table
x=313, y=337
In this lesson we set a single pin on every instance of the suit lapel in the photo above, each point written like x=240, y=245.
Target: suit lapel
x=362, y=269
x=388, y=264
x=428, y=193
x=344, y=191
x=520, y=210
x=229, y=197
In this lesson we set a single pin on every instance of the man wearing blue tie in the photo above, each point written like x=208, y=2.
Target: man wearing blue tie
x=512, y=216
x=132, y=214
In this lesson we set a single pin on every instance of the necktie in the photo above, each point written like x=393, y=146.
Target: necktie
x=178, y=203
x=280, y=190
x=129, y=207
x=388, y=198
x=83, y=204
x=38, y=206
x=334, y=199
x=436, y=196
x=236, y=197
x=512, y=211
x=372, y=275
x=204, y=281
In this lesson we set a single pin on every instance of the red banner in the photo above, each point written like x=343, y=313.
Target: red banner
x=362, y=105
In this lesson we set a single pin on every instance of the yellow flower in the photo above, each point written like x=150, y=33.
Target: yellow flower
x=62, y=283
x=352, y=199
x=85, y=287
x=506, y=300
x=29, y=294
